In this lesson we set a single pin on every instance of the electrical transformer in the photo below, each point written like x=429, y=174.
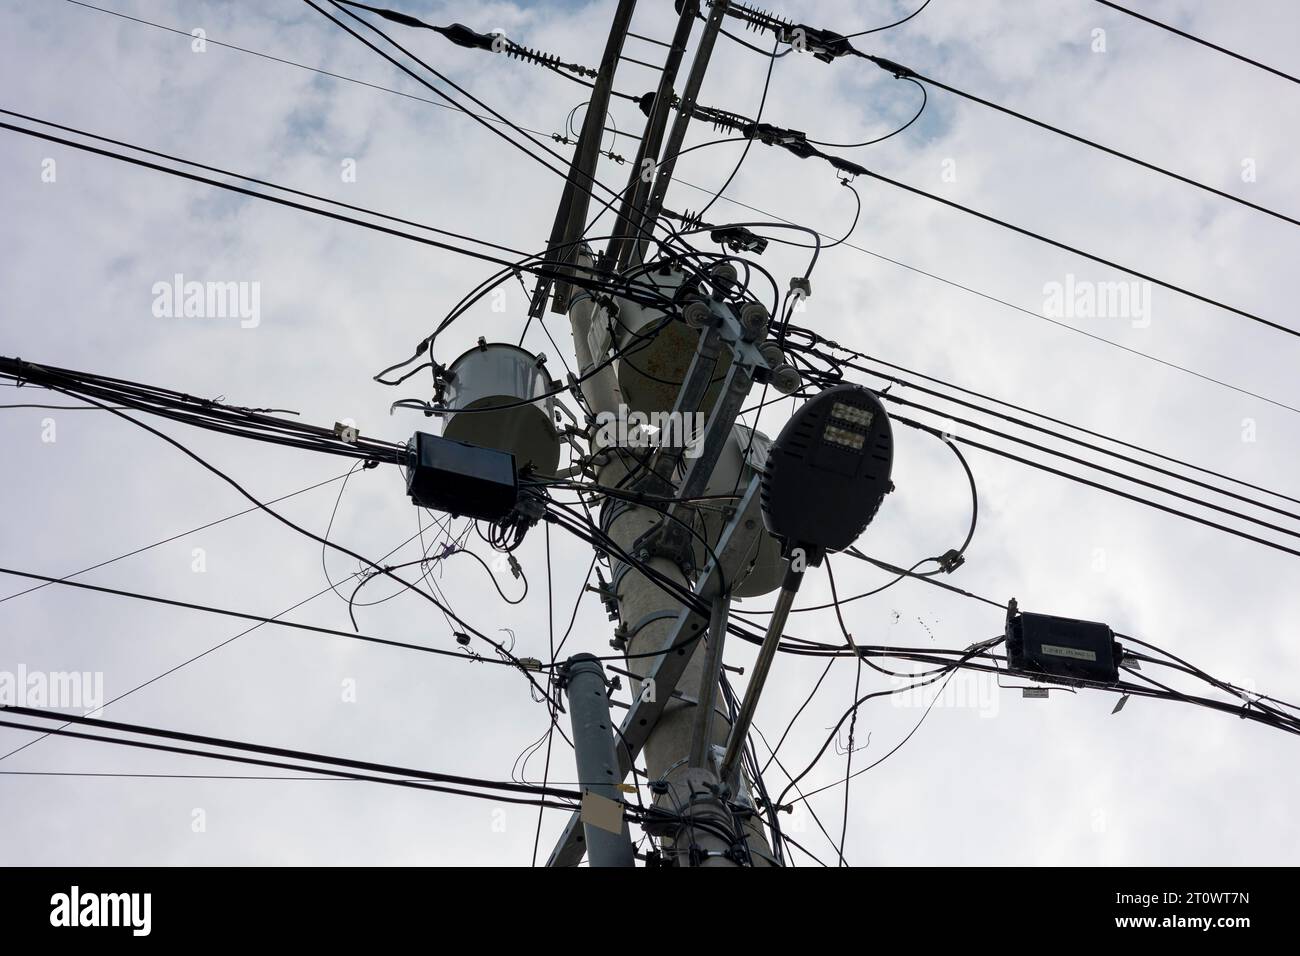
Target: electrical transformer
x=761, y=569
x=654, y=357
x=501, y=396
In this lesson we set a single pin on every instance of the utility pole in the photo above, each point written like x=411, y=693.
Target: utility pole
x=593, y=743
x=674, y=723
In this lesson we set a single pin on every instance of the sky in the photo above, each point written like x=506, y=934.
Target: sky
x=990, y=777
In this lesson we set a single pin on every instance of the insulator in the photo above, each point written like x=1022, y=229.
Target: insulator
x=697, y=314
x=532, y=56
x=754, y=321
x=786, y=379
x=690, y=220
x=759, y=20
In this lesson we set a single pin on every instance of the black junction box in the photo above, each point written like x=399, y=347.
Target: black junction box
x=460, y=478
x=1062, y=647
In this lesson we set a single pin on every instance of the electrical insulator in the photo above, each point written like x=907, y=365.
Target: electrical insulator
x=697, y=314
x=786, y=379
x=753, y=321
x=724, y=277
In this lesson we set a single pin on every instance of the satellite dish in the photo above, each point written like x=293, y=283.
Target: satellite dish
x=828, y=471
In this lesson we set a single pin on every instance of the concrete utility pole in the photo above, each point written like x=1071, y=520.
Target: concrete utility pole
x=608, y=844
x=672, y=723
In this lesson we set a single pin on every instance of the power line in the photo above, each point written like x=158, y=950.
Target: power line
x=567, y=173
x=890, y=26
x=243, y=615
x=499, y=789
x=168, y=540
x=1041, y=466
x=1075, y=250
x=301, y=66
x=457, y=108
x=339, y=217
x=1061, y=436
x=1011, y=305
x=1196, y=39
x=204, y=653
x=1057, y=421
x=903, y=72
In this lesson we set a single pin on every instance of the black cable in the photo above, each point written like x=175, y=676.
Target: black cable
x=762, y=101
x=1196, y=39
x=495, y=42
x=1102, y=468
x=452, y=105
x=192, y=606
x=302, y=66
x=168, y=540
x=1049, y=418
x=951, y=668
x=303, y=531
x=903, y=72
x=790, y=726
x=896, y=748
x=1110, y=263
x=567, y=173
x=893, y=569
x=894, y=399
x=199, y=413
x=423, y=562
x=889, y=26
x=864, y=251
x=1041, y=466
x=499, y=788
x=550, y=632
x=1011, y=305
x=198, y=656
x=251, y=179
x=848, y=762
x=339, y=217
x=880, y=139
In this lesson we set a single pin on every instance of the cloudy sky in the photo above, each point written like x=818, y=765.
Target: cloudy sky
x=990, y=777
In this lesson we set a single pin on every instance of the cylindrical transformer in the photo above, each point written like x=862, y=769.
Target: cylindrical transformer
x=514, y=384
x=654, y=356
x=761, y=569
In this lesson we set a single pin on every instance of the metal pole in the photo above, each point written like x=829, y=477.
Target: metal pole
x=699, y=66
x=593, y=745
x=740, y=729
x=571, y=215
x=640, y=180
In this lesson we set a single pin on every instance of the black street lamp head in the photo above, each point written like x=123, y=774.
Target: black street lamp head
x=828, y=471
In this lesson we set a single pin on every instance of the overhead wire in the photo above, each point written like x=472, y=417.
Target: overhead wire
x=1195, y=39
